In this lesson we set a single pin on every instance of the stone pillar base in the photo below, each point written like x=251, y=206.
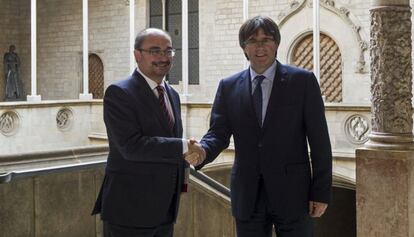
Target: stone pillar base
x=385, y=193
x=390, y=141
x=85, y=97
x=34, y=98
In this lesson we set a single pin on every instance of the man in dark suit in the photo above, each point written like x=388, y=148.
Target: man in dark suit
x=144, y=175
x=273, y=111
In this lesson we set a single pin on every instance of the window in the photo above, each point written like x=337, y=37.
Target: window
x=96, y=78
x=174, y=27
x=330, y=64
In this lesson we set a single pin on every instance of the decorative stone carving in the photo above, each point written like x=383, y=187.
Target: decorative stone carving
x=357, y=129
x=344, y=11
x=344, y=14
x=328, y=2
x=391, y=70
x=294, y=4
x=9, y=123
x=64, y=119
x=294, y=7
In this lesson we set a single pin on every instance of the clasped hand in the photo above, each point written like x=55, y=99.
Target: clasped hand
x=196, y=153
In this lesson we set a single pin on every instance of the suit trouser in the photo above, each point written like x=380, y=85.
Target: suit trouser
x=112, y=230
x=166, y=229
x=263, y=219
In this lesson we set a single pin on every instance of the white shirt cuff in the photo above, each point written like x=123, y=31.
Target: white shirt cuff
x=185, y=146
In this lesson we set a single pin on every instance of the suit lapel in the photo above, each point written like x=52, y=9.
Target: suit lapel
x=278, y=89
x=146, y=94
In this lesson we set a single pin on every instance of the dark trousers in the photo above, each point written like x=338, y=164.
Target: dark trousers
x=112, y=230
x=165, y=229
x=263, y=219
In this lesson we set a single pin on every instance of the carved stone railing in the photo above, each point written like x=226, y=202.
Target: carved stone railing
x=52, y=125
x=48, y=125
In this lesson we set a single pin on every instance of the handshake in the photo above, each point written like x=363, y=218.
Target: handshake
x=196, y=153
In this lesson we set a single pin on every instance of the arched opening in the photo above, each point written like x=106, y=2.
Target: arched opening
x=339, y=219
x=330, y=64
x=96, y=76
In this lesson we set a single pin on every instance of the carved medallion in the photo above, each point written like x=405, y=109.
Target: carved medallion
x=64, y=119
x=357, y=129
x=9, y=123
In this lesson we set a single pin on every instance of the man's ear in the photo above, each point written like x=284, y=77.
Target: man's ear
x=137, y=55
x=245, y=54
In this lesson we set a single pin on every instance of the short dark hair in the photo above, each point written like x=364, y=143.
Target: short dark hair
x=145, y=33
x=252, y=25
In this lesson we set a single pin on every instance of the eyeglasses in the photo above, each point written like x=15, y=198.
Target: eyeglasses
x=265, y=41
x=158, y=52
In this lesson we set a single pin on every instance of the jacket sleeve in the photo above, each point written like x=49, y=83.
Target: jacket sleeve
x=125, y=132
x=218, y=136
x=319, y=143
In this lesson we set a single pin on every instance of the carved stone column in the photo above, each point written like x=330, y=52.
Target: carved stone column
x=385, y=167
x=391, y=73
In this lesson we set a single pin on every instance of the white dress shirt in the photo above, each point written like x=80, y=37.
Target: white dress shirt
x=267, y=85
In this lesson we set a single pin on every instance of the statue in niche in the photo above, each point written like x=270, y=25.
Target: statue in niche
x=14, y=87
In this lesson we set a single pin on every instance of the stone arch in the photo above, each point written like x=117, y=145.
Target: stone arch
x=338, y=24
x=96, y=76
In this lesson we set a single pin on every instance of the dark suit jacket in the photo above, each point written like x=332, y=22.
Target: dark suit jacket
x=278, y=151
x=145, y=164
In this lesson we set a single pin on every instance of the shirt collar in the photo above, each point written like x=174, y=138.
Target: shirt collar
x=269, y=73
x=152, y=84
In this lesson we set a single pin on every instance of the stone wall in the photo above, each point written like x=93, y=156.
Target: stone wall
x=59, y=44
x=37, y=127
x=60, y=41
x=60, y=204
x=40, y=206
x=220, y=55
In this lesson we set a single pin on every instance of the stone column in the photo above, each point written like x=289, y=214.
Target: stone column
x=385, y=166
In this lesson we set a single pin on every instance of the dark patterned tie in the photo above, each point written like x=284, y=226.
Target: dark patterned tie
x=257, y=98
x=161, y=100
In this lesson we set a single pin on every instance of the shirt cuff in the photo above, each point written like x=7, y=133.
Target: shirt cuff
x=185, y=146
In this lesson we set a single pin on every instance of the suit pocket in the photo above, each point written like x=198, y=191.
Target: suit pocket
x=125, y=188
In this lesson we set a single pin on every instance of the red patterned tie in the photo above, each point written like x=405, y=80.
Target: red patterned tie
x=161, y=100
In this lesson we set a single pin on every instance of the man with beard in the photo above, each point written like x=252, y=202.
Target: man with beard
x=145, y=171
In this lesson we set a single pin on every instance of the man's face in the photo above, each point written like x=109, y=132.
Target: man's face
x=261, y=50
x=152, y=65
